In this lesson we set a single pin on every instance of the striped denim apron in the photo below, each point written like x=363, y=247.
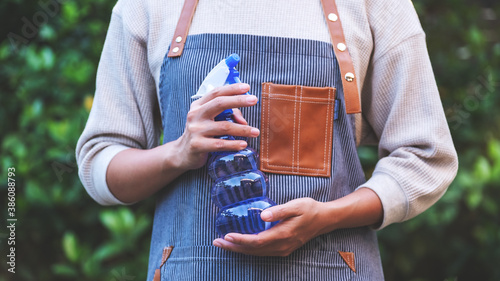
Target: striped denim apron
x=185, y=216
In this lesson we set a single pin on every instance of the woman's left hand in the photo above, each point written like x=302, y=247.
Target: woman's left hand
x=300, y=220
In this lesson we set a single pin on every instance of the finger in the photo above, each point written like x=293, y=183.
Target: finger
x=222, y=128
x=247, y=240
x=204, y=145
x=237, y=238
x=233, y=129
x=262, y=244
x=245, y=247
x=262, y=239
x=277, y=241
x=228, y=246
x=238, y=117
x=215, y=106
x=227, y=90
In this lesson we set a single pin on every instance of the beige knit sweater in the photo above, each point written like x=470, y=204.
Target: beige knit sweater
x=402, y=111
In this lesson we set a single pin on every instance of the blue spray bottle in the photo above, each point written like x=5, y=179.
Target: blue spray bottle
x=240, y=189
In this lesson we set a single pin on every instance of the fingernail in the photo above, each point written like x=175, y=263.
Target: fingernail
x=251, y=99
x=229, y=238
x=217, y=243
x=244, y=86
x=255, y=132
x=243, y=144
x=266, y=215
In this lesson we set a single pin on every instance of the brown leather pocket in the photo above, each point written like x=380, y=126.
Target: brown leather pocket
x=296, y=129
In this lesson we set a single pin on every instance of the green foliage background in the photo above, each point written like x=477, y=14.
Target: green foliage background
x=46, y=88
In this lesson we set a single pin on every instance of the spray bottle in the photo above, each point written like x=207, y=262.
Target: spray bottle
x=240, y=189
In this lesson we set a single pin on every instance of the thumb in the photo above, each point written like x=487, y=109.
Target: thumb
x=280, y=212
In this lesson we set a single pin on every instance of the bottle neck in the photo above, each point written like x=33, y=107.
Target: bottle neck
x=226, y=115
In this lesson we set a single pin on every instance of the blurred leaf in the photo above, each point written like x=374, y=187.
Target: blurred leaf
x=64, y=270
x=70, y=246
x=47, y=32
x=13, y=144
x=476, y=37
x=35, y=194
x=59, y=129
x=32, y=58
x=77, y=70
x=474, y=198
x=494, y=150
x=48, y=57
x=70, y=11
x=482, y=170
x=4, y=51
x=118, y=221
x=91, y=267
x=127, y=218
x=108, y=250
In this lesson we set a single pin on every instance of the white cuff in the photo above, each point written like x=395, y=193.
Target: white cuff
x=98, y=173
x=393, y=198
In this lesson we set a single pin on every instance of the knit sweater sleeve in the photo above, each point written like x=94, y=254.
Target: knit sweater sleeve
x=125, y=109
x=402, y=106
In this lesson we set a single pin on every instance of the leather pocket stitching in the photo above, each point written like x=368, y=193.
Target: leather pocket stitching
x=330, y=103
x=305, y=99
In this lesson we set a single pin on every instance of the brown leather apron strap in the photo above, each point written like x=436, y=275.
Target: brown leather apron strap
x=351, y=93
x=182, y=29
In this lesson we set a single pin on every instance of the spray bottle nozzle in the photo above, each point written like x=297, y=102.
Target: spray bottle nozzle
x=222, y=74
x=232, y=60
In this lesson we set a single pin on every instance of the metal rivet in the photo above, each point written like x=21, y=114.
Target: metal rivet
x=178, y=39
x=175, y=50
x=349, y=77
x=341, y=47
x=332, y=17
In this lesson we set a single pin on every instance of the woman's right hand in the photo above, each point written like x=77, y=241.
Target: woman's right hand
x=198, y=137
x=135, y=174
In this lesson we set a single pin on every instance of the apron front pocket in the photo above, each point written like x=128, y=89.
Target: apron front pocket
x=296, y=129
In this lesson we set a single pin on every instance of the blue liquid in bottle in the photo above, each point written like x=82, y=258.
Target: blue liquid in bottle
x=240, y=189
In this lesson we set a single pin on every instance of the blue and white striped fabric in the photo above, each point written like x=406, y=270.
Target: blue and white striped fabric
x=185, y=215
